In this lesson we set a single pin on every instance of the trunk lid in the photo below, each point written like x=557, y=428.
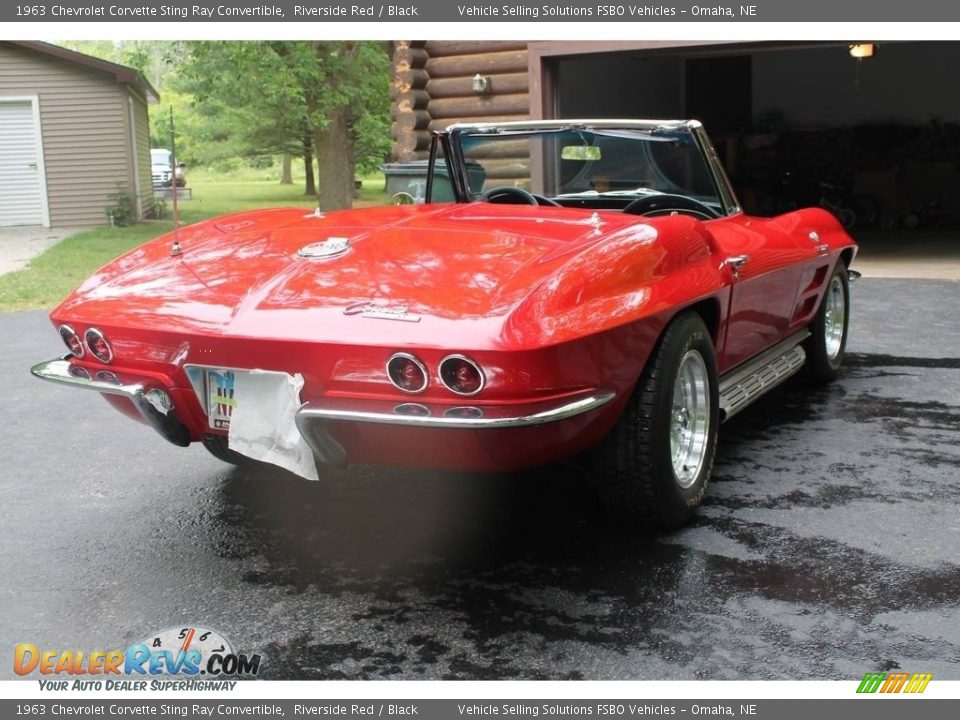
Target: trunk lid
x=426, y=266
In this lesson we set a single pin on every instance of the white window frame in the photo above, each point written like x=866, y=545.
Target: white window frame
x=134, y=150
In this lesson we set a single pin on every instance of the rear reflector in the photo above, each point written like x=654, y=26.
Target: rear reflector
x=463, y=413
x=79, y=372
x=412, y=410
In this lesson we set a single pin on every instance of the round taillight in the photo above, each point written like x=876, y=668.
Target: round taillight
x=98, y=346
x=71, y=340
x=461, y=375
x=407, y=373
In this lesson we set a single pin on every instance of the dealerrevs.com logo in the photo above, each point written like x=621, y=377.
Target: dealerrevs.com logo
x=189, y=653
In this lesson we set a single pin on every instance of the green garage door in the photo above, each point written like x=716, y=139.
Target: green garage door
x=22, y=200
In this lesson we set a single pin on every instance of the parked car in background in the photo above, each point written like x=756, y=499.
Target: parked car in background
x=162, y=170
x=614, y=304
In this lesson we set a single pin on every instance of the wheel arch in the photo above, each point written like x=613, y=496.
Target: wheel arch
x=846, y=256
x=709, y=311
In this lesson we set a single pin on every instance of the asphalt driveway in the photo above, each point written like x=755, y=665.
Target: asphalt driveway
x=829, y=544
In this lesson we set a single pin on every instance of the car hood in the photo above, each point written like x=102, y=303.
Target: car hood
x=406, y=273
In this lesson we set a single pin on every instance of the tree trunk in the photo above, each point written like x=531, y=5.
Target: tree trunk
x=352, y=179
x=311, y=183
x=334, y=161
x=287, y=176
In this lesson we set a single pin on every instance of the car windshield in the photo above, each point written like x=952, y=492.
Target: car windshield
x=599, y=167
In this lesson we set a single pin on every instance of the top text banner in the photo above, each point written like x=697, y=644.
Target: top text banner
x=328, y=11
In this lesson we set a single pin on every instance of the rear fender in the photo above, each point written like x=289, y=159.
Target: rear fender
x=814, y=227
x=824, y=243
x=647, y=272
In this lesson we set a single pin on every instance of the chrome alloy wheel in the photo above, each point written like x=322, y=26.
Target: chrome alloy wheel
x=834, y=318
x=690, y=419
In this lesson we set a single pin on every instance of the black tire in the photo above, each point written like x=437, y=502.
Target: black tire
x=634, y=465
x=823, y=357
x=217, y=446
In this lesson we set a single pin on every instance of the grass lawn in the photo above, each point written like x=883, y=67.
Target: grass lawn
x=50, y=277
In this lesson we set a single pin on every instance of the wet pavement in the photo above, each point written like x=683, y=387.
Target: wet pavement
x=828, y=545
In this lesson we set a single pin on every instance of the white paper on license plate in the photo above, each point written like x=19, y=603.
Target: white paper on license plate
x=221, y=398
x=263, y=421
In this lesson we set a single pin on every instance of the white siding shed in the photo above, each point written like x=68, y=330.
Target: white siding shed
x=72, y=129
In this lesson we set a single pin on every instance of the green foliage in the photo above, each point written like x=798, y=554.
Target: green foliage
x=255, y=98
x=189, y=143
x=154, y=59
x=370, y=122
x=120, y=207
x=236, y=103
x=156, y=208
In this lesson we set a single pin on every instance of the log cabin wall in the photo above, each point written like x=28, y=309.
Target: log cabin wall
x=433, y=87
x=409, y=100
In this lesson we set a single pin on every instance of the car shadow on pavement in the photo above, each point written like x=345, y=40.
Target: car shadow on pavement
x=445, y=575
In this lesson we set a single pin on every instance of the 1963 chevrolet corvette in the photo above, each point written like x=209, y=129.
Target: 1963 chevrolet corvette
x=613, y=299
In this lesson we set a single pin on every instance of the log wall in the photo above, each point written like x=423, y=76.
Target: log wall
x=433, y=87
x=409, y=101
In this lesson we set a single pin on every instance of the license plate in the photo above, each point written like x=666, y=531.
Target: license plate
x=221, y=399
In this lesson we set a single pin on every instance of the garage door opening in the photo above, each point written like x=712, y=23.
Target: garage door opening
x=876, y=141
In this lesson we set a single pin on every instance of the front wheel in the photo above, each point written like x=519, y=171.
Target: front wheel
x=827, y=343
x=654, y=467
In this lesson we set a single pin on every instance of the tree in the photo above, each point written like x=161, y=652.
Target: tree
x=325, y=98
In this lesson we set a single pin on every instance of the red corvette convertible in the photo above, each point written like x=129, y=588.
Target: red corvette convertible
x=611, y=298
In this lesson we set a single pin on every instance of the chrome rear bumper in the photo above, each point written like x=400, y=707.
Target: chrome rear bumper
x=148, y=400
x=314, y=421
x=469, y=417
x=152, y=401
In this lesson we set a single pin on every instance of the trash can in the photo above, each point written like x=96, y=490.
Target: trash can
x=411, y=177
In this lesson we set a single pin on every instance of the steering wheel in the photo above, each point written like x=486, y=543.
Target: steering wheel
x=510, y=195
x=664, y=204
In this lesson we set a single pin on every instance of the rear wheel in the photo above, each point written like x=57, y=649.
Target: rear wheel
x=827, y=343
x=654, y=467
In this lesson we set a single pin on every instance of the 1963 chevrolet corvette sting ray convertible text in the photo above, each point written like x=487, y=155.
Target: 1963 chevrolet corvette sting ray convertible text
x=612, y=297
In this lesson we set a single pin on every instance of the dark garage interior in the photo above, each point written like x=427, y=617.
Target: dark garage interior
x=874, y=139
